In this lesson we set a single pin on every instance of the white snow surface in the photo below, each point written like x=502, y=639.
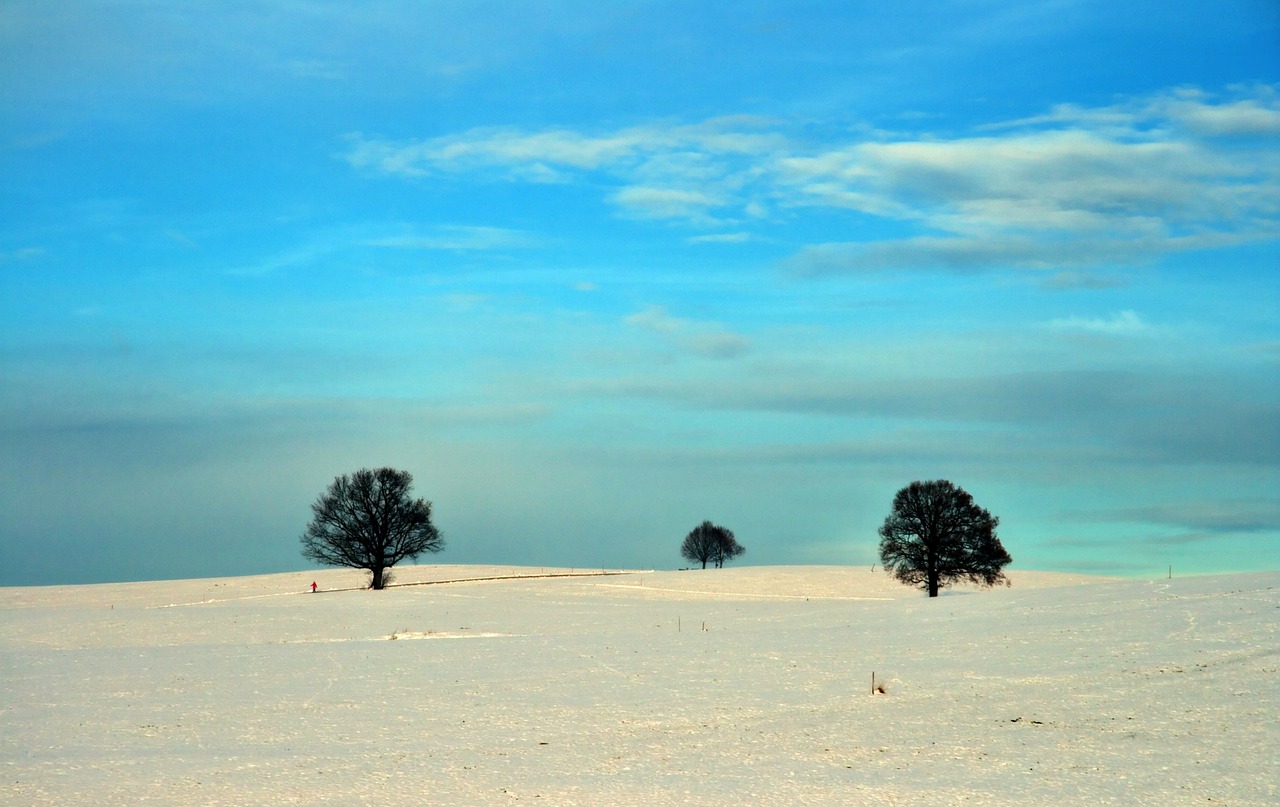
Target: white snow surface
x=745, y=686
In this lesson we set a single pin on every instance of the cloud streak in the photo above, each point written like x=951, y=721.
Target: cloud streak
x=1122, y=417
x=706, y=340
x=1076, y=187
x=1122, y=323
x=459, y=238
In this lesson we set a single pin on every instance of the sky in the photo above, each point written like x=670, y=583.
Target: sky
x=597, y=272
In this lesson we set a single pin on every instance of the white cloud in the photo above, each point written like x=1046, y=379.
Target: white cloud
x=1253, y=111
x=1074, y=187
x=655, y=318
x=707, y=340
x=1121, y=323
x=661, y=171
x=632, y=151
x=657, y=203
x=512, y=147
x=720, y=238
x=461, y=238
x=1244, y=118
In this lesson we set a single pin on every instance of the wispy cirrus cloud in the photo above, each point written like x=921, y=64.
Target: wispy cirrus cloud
x=1254, y=112
x=660, y=171
x=638, y=148
x=323, y=246
x=707, y=340
x=458, y=238
x=1076, y=187
x=1121, y=323
x=720, y=238
x=666, y=203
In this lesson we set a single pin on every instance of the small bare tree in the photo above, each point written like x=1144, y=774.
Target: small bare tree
x=369, y=521
x=710, y=543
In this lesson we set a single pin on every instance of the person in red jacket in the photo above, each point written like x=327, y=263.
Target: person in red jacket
x=313, y=587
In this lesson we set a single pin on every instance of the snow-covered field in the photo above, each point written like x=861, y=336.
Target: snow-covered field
x=747, y=686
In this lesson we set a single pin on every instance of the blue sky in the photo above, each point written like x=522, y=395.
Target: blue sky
x=596, y=272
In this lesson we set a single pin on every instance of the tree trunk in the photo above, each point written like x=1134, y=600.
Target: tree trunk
x=377, y=583
x=933, y=585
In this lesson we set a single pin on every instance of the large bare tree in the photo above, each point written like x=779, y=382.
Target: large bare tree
x=936, y=535
x=368, y=520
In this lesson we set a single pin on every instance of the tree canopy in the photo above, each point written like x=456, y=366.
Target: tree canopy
x=936, y=535
x=710, y=543
x=368, y=520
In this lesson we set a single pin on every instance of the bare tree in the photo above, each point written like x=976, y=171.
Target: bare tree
x=729, y=549
x=936, y=535
x=710, y=543
x=369, y=521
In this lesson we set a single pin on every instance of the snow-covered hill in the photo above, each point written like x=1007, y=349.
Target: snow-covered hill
x=736, y=686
